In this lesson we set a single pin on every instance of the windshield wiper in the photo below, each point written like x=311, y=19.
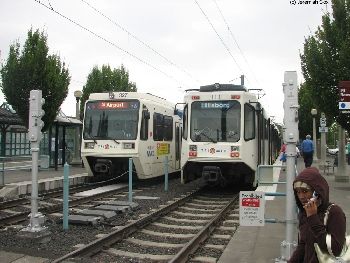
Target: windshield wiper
x=88, y=136
x=106, y=138
x=114, y=140
x=206, y=135
x=210, y=138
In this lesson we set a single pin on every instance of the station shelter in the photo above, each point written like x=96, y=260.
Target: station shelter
x=60, y=144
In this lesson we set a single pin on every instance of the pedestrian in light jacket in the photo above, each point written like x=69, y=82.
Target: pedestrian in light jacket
x=307, y=149
x=311, y=215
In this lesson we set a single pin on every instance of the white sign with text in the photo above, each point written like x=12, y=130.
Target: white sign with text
x=251, y=208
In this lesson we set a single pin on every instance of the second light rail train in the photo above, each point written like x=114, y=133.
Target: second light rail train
x=226, y=135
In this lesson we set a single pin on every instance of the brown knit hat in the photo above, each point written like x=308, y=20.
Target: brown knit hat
x=299, y=184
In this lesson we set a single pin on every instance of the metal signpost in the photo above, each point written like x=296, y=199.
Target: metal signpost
x=35, y=125
x=323, y=129
x=314, y=138
x=344, y=108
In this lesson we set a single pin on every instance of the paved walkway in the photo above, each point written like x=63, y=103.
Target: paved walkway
x=263, y=244
x=15, y=176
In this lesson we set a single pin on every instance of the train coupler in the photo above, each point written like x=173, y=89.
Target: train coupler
x=212, y=175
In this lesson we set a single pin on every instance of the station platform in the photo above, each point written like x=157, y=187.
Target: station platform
x=18, y=182
x=262, y=244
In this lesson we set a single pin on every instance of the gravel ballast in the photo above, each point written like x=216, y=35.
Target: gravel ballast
x=62, y=242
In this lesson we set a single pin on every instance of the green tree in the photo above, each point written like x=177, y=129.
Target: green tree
x=105, y=80
x=306, y=103
x=31, y=69
x=325, y=61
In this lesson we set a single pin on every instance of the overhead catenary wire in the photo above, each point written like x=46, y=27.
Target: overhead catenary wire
x=139, y=40
x=235, y=41
x=49, y=4
x=218, y=35
x=109, y=42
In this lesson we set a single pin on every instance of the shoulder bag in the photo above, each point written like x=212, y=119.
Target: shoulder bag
x=328, y=257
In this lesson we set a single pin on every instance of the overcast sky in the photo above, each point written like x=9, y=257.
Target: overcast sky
x=171, y=45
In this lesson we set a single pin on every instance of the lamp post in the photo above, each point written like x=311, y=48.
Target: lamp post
x=77, y=160
x=314, y=113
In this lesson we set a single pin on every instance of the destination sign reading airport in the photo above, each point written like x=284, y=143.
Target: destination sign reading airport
x=344, y=93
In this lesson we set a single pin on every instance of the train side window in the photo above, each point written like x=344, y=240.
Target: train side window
x=266, y=129
x=249, y=122
x=177, y=143
x=168, y=128
x=144, y=124
x=158, y=126
x=184, y=123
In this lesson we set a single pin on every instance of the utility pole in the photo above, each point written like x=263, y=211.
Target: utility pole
x=242, y=80
x=77, y=159
x=341, y=175
x=290, y=90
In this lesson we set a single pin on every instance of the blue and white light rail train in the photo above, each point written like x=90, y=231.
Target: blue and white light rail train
x=226, y=135
x=122, y=125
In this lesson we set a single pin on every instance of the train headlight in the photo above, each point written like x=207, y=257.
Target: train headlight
x=89, y=145
x=128, y=145
x=234, y=154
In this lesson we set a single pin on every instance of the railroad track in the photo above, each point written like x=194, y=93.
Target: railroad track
x=172, y=233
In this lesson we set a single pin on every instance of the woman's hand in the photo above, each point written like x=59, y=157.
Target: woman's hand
x=311, y=207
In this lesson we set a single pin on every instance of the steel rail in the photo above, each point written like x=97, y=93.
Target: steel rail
x=204, y=234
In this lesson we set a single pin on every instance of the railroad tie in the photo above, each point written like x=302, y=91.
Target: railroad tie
x=122, y=253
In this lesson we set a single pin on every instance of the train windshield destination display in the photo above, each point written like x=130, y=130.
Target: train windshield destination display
x=216, y=121
x=113, y=105
x=251, y=208
x=111, y=119
x=217, y=105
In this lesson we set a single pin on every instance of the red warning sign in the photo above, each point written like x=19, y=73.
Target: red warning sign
x=344, y=91
x=251, y=202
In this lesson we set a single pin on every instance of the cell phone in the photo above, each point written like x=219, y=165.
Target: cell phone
x=314, y=196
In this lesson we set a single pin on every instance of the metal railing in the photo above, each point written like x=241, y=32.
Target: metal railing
x=286, y=247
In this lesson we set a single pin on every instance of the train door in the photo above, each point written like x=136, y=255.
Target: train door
x=177, y=145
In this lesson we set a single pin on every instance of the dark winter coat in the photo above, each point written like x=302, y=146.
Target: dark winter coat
x=312, y=229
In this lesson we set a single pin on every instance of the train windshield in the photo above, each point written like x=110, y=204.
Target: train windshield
x=116, y=120
x=215, y=121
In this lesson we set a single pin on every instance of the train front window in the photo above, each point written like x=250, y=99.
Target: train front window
x=116, y=120
x=215, y=121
